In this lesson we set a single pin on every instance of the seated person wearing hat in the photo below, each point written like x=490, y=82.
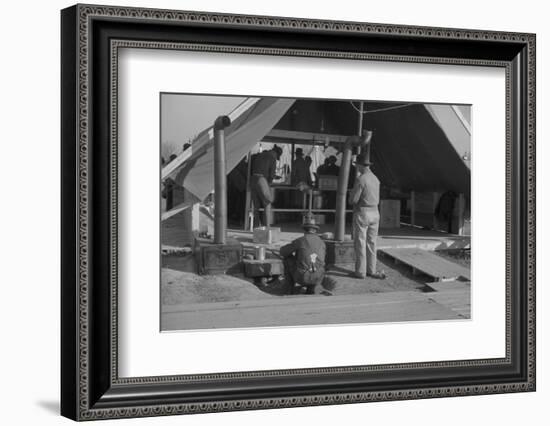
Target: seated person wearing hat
x=365, y=197
x=304, y=261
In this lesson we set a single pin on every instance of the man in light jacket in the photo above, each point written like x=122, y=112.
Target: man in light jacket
x=365, y=197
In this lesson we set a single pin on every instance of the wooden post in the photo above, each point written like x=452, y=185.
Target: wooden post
x=360, y=121
x=341, y=193
x=434, y=206
x=460, y=214
x=360, y=127
x=248, y=217
x=413, y=208
x=293, y=199
x=191, y=215
x=292, y=147
x=342, y=190
x=268, y=214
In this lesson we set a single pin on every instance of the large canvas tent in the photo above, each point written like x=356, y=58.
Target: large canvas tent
x=421, y=147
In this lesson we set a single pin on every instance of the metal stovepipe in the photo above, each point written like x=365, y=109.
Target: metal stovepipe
x=220, y=180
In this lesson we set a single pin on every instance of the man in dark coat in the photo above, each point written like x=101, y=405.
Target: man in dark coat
x=332, y=169
x=300, y=169
x=263, y=169
x=236, y=190
x=304, y=261
x=322, y=169
x=299, y=176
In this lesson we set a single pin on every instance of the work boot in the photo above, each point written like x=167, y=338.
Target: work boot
x=378, y=275
x=261, y=282
x=356, y=275
x=328, y=284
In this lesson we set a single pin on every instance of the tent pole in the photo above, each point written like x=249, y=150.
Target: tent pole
x=341, y=192
x=342, y=189
x=360, y=121
x=343, y=179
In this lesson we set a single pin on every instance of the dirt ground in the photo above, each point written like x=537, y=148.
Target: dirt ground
x=180, y=284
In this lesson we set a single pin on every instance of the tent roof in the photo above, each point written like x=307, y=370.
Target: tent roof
x=414, y=146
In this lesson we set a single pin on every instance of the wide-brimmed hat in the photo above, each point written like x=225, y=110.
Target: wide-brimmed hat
x=363, y=159
x=309, y=222
x=299, y=151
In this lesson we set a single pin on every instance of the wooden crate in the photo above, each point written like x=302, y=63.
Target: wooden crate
x=328, y=182
x=424, y=209
x=263, y=268
x=320, y=219
x=390, y=213
x=317, y=202
x=263, y=235
x=214, y=258
x=340, y=252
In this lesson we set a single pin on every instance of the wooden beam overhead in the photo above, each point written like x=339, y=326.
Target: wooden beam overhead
x=306, y=137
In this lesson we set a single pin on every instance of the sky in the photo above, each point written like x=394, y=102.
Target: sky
x=184, y=116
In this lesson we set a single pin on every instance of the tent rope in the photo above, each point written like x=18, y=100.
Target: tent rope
x=380, y=109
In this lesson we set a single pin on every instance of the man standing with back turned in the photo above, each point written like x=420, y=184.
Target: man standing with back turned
x=365, y=197
x=263, y=172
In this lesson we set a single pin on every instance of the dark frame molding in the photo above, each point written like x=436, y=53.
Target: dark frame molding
x=91, y=37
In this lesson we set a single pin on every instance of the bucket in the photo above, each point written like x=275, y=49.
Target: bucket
x=259, y=252
x=317, y=199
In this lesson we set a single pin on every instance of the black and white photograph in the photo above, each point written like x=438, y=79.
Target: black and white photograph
x=247, y=213
x=278, y=212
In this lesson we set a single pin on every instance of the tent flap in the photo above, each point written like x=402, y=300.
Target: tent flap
x=197, y=174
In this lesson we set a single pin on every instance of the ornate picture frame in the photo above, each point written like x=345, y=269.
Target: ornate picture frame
x=91, y=37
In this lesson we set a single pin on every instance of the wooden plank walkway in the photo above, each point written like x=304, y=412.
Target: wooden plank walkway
x=455, y=295
x=307, y=310
x=428, y=263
